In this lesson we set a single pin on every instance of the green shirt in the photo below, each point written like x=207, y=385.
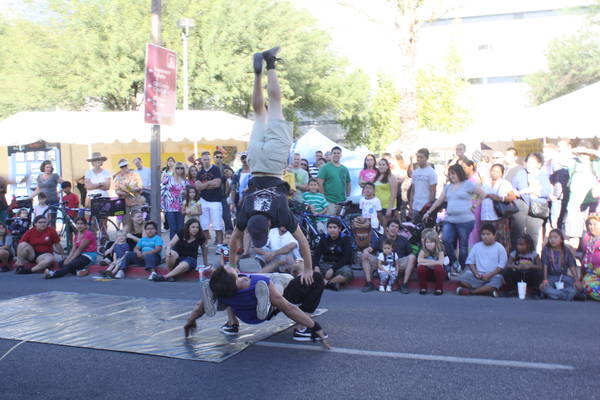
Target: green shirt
x=317, y=200
x=334, y=182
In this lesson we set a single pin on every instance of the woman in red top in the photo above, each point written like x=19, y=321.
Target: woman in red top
x=82, y=254
x=37, y=246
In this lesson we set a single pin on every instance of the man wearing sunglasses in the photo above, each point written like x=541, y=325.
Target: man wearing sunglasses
x=208, y=183
x=218, y=161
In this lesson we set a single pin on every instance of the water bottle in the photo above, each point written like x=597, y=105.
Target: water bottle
x=201, y=268
x=225, y=253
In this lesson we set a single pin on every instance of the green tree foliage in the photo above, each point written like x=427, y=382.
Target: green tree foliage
x=573, y=62
x=96, y=51
x=438, y=97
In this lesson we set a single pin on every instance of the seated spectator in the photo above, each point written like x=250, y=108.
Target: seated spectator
x=6, y=248
x=430, y=262
x=146, y=252
x=560, y=269
x=118, y=250
x=37, y=246
x=485, y=263
x=182, y=251
x=82, y=254
x=40, y=208
x=591, y=257
x=333, y=256
x=70, y=198
x=370, y=205
x=523, y=265
x=406, y=259
x=20, y=224
x=387, y=266
x=281, y=253
x=317, y=203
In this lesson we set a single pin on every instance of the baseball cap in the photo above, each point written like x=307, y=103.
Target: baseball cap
x=123, y=162
x=258, y=229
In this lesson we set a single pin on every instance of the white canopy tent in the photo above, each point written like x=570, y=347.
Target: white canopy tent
x=81, y=127
x=574, y=115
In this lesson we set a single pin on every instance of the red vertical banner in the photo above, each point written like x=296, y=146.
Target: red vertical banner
x=160, y=88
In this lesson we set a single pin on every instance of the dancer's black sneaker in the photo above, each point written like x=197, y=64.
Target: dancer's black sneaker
x=302, y=335
x=208, y=299
x=230, y=329
x=257, y=63
x=270, y=56
x=263, y=300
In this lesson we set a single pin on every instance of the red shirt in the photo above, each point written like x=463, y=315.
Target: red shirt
x=41, y=241
x=72, y=201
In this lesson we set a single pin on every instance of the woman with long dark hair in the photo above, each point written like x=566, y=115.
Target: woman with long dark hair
x=369, y=171
x=82, y=254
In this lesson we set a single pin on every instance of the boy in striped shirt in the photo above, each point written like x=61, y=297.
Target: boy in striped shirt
x=317, y=203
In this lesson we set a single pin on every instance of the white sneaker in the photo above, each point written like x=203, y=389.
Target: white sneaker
x=381, y=288
x=263, y=300
x=151, y=276
x=388, y=288
x=120, y=274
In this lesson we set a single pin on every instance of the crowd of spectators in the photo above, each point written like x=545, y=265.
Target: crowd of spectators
x=492, y=223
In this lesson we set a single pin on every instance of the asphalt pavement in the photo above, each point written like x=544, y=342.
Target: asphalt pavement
x=386, y=345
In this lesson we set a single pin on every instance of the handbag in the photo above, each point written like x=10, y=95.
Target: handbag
x=504, y=209
x=538, y=209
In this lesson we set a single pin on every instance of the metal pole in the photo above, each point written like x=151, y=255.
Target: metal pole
x=184, y=37
x=155, y=138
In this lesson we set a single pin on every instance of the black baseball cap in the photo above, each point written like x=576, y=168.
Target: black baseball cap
x=258, y=229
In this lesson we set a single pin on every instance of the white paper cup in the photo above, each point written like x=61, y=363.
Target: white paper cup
x=522, y=288
x=559, y=285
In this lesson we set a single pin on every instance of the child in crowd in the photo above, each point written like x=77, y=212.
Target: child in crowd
x=146, y=252
x=560, y=269
x=387, y=266
x=370, y=205
x=41, y=207
x=485, y=261
x=20, y=224
x=6, y=248
x=317, y=203
x=191, y=203
x=430, y=262
x=70, y=198
x=118, y=250
x=523, y=265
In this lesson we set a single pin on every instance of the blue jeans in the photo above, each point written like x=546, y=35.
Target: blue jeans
x=149, y=261
x=175, y=221
x=451, y=232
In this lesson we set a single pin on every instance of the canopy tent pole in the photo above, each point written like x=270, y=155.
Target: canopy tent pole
x=195, y=149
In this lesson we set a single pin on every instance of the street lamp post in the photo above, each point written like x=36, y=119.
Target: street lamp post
x=185, y=24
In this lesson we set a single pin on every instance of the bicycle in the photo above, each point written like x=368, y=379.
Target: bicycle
x=63, y=222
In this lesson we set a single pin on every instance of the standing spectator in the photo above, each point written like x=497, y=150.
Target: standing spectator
x=370, y=206
x=523, y=264
x=559, y=267
x=459, y=214
x=82, y=254
x=172, y=197
x=511, y=164
x=47, y=183
x=368, y=173
x=127, y=184
x=208, y=183
x=424, y=185
x=486, y=261
x=406, y=258
x=328, y=156
x=226, y=211
x=37, y=245
x=97, y=179
x=431, y=262
x=320, y=163
x=304, y=166
x=146, y=177
x=386, y=190
x=301, y=177
x=169, y=168
x=6, y=247
x=497, y=189
x=459, y=154
x=182, y=251
x=314, y=168
x=590, y=260
x=333, y=256
x=239, y=182
x=530, y=185
x=473, y=176
x=70, y=198
x=192, y=174
x=334, y=181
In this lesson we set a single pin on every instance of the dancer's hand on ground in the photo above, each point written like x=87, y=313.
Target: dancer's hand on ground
x=323, y=340
x=189, y=328
x=306, y=277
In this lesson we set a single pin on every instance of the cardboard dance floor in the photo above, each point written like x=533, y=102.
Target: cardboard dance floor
x=129, y=324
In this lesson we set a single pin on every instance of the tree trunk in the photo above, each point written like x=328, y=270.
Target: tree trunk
x=407, y=74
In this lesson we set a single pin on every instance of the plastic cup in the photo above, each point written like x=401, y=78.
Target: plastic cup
x=559, y=285
x=522, y=289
